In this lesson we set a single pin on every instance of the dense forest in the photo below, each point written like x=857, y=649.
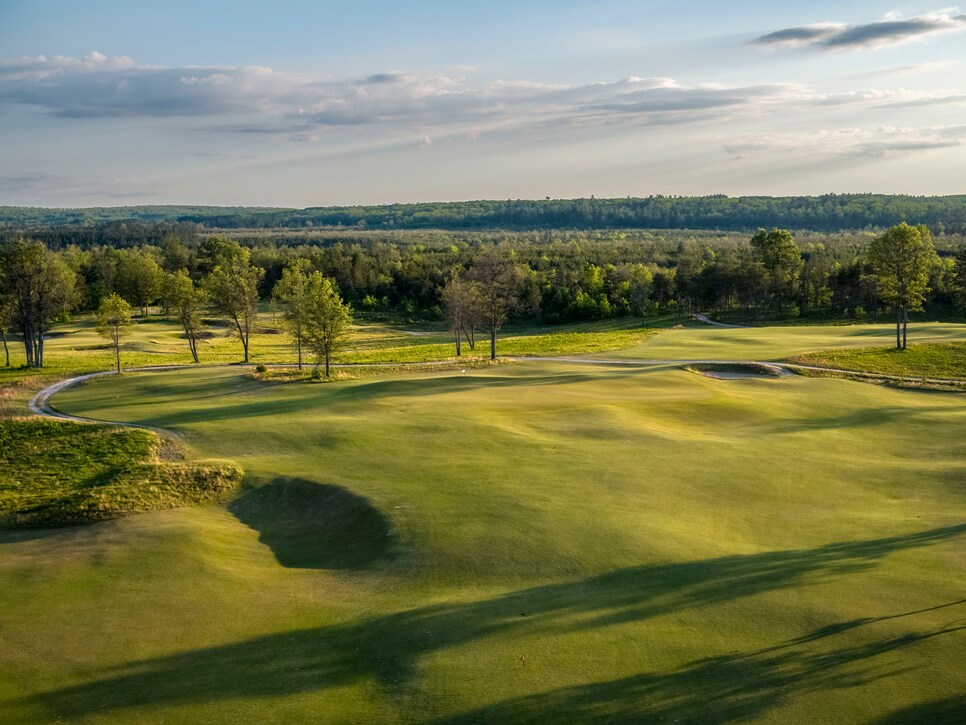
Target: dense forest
x=556, y=277
x=828, y=213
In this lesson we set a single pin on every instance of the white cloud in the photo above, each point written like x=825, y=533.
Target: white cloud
x=891, y=29
x=880, y=141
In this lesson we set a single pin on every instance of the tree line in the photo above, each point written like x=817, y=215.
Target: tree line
x=766, y=276
x=830, y=212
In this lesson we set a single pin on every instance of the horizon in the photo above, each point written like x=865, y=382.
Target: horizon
x=318, y=105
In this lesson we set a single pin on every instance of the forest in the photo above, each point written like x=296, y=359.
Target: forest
x=827, y=213
x=484, y=280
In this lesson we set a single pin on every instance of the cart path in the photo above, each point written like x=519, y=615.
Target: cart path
x=40, y=403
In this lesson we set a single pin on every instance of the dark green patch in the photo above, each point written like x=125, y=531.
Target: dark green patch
x=55, y=473
x=315, y=526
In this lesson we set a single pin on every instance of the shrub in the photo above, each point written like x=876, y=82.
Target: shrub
x=261, y=369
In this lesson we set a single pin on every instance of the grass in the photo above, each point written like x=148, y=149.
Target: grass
x=59, y=473
x=935, y=360
x=75, y=347
x=536, y=542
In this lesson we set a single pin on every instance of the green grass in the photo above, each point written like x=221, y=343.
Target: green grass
x=936, y=360
x=536, y=542
x=779, y=342
x=76, y=348
x=58, y=473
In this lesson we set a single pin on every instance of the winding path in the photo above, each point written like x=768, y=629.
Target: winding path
x=40, y=403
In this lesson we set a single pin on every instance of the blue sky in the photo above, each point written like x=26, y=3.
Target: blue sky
x=317, y=103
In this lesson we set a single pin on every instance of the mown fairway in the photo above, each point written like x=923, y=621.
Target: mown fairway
x=538, y=542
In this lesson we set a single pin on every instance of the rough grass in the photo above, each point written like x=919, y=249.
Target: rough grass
x=933, y=360
x=536, y=542
x=58, y=473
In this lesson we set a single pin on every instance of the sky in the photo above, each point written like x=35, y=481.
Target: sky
x=298, y=104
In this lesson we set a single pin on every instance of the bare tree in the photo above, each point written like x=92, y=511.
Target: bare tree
x=499, y=281
x=462, y=303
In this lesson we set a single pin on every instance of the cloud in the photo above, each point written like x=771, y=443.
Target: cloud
x=292, y=106
x=889, y=30
x=879, y=142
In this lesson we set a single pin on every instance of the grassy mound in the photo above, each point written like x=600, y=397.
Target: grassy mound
x=56, y=473
x=932, y=360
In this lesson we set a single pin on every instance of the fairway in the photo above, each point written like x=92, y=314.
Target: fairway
x=538, y=542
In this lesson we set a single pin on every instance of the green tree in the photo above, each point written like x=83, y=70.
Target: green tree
x=232, y=287
x=114, y=322
x=959, y=279
x=782, y=260
x=327, y=320
x=292, y=293
x=7, y=311
x=187, y=301
x=139, y=279
x=901, y=259
x=42, y=288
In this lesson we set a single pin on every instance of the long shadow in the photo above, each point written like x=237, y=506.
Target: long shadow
x=949, y=711
x=315, y=526
x=730, y=688
x=387, y=649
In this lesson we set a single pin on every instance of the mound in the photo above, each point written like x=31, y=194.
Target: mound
x=57, y=473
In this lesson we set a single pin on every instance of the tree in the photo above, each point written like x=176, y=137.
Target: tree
x=42, y=288
x=959, y=279
x=233, y=289
x=139, y=279
x=187, y=301
x=462, y=300
x=114, y=322
x=292, y=293
x=499, y=283
x=901, y=259
x=327, y=319
x=6, y=323
x=782, y=260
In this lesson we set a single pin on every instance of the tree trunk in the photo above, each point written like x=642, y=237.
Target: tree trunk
x=905, y=325
x=117, y=353
x=493, y=343
x=298, y=343
x=898, y=328
x=458, y=351
x=326, y=363
x=6, y=350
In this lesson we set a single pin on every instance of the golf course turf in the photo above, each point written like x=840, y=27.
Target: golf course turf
x=545, y=541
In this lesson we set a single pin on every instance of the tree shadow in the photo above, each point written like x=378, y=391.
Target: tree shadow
x=387, y=649
x=949, y=711
x=729, y=688
x=315, y=526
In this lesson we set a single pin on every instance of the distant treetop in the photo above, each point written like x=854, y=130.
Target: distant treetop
x=828, y=213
